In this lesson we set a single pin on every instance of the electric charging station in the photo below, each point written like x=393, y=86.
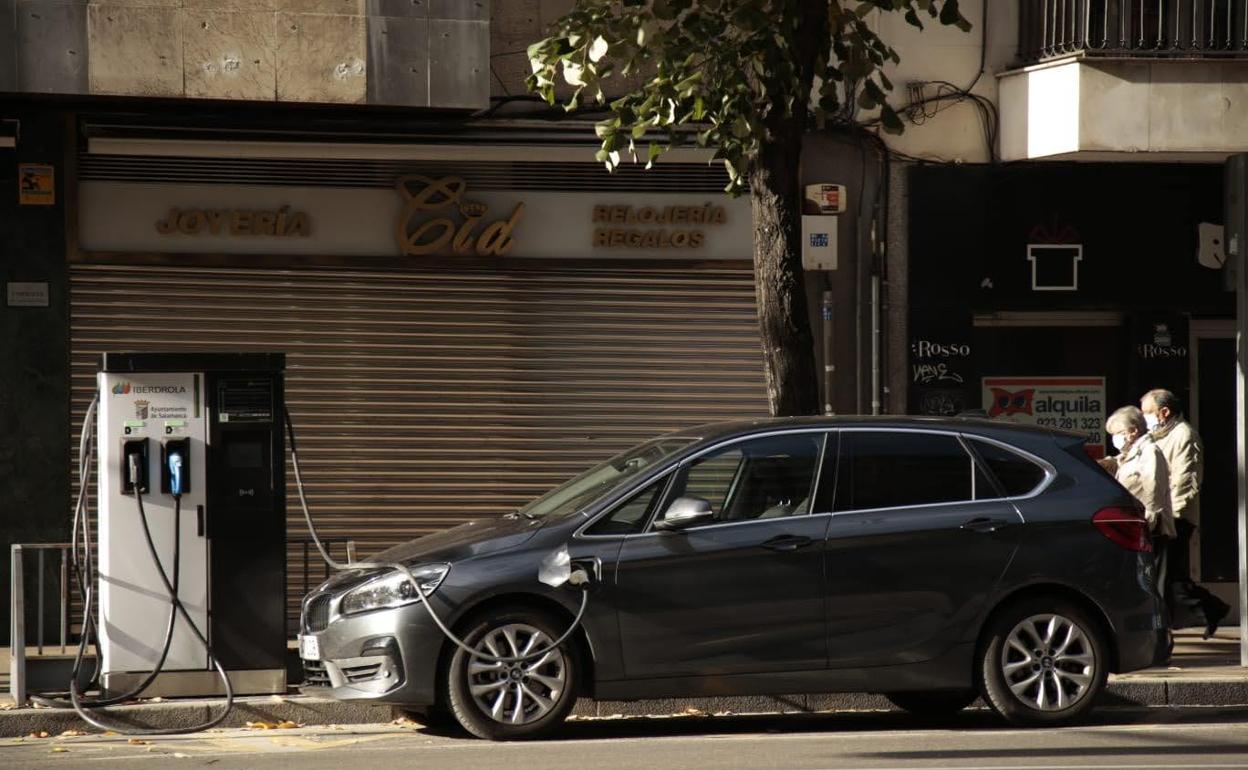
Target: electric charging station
x=196, y=437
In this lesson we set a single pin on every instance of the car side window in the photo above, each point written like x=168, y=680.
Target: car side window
x=629, y=517
x=892, y=469
x=1017, y=475
x=761, y=478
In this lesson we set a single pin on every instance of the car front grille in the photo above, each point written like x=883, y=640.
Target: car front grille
x=316, y=618
x=355, y=674
x=314, y=674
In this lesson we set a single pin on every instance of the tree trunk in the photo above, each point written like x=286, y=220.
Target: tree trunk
x=779, y=280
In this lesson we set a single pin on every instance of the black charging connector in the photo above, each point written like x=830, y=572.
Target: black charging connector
x=136, y=473
x=168, y=448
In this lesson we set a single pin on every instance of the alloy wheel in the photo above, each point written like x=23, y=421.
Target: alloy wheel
x=517, y=693
x=1048, y=662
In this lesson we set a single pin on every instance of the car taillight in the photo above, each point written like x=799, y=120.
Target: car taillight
x=1125, y=526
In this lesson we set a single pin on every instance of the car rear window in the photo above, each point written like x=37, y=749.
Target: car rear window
x=886, y=469
x=1018, y=475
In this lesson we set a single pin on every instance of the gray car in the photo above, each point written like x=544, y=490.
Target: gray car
x=931, y=560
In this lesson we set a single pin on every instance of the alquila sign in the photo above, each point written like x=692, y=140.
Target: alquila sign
x=438, y=219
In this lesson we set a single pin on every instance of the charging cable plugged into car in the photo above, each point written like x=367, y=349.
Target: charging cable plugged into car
x=555, y=570
x=166, y=432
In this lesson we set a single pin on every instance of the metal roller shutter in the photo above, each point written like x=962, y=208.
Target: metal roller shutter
x=423, y=398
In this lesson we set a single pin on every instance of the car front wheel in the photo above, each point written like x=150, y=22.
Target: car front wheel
x=1043, y=663
x=509, y=701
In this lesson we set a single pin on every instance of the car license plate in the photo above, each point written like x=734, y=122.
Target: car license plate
x=309, y=648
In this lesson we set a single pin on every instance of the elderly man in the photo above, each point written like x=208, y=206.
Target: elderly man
x=1190, y=604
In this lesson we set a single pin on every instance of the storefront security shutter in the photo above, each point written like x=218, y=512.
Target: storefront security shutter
x=424, y=398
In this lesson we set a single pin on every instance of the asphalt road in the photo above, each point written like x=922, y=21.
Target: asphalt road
x=1117, y=740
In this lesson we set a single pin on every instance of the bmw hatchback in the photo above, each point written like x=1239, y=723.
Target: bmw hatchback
x=932, y=561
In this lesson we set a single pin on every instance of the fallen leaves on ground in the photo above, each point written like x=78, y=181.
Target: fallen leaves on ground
x=71, y=733
x=59, y=750
x=139, y=741
x=39, y=734
x=285, y=724
x=405, y=722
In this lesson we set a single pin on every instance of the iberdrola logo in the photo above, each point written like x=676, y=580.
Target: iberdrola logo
x=121, y=389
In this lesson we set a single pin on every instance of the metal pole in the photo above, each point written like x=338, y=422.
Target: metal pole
x=1237, y=213
x=64, y=600
x=875, y=344
x=829, y=363
x=17, y=627
x=39, y=617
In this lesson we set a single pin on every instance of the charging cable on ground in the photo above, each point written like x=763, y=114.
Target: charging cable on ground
x=85, y=576
x=576, y=576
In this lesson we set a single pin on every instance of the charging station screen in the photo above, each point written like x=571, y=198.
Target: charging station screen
x=245, y=454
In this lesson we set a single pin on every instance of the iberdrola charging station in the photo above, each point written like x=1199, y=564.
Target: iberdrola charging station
x=191, y=464
x=190, y=584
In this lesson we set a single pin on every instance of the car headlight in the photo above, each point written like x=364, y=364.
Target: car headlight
x=393, y=589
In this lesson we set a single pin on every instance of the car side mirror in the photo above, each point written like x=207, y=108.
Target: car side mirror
x=685, y=512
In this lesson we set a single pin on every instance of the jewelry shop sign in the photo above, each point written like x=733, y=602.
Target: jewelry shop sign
x=418, y=216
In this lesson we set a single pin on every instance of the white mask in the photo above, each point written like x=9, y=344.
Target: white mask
x=1151, y=421
x=1119, y=441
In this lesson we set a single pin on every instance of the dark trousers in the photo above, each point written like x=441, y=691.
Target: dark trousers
x=1189, y=604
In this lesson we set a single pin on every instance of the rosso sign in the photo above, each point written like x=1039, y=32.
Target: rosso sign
x=420, y=233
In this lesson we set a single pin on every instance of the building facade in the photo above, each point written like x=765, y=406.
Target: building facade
x=1056, y=242
x=473, y=309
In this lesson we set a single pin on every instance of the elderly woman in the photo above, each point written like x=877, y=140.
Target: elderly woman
x=1141, y=467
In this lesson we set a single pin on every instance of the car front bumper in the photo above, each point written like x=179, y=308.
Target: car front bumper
x=388, y=656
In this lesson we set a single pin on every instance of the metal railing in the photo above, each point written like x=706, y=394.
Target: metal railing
x=1050, y=29
x=18, y=607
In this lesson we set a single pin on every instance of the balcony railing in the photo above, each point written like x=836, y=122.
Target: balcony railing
x=1175, y=29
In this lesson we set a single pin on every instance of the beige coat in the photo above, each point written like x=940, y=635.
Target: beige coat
x=1142, y=470
x=1185, y=459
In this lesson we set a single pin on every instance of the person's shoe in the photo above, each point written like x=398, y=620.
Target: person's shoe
x=1214, y=619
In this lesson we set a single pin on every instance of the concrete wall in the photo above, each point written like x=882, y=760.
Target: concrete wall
x=34, y=359
x=1096, y=107
x=421, y=53
x=946, y=130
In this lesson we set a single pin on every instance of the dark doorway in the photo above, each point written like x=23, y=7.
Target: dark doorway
x=1215, y=420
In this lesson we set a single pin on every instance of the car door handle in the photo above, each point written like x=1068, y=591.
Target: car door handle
x=787, y=542
x=985, y=524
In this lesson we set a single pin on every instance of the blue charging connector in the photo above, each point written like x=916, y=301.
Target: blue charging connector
x=175, y=473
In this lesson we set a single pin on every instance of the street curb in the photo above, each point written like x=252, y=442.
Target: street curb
x=1127, y=692
x=1131, y=692
x=188, y=713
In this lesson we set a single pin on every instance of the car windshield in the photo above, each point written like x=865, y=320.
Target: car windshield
x=575, y=494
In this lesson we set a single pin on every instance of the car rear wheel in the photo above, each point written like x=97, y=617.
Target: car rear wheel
x=935, y=703
x=1044, y=663
x=509, y=701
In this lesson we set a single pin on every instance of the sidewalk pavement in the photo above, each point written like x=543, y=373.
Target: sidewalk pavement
x=1202, y=673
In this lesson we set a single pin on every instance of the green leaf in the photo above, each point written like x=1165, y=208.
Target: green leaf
x=653, y=154
x=598, y=49
x=949, y=13
x=891, y=121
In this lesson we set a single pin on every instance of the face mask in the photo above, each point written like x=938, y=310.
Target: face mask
x=1119, y=441
x=1151, y=421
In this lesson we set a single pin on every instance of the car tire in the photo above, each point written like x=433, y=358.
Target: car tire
x=933, y=703
x=1034, y=670
x=546, y=687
